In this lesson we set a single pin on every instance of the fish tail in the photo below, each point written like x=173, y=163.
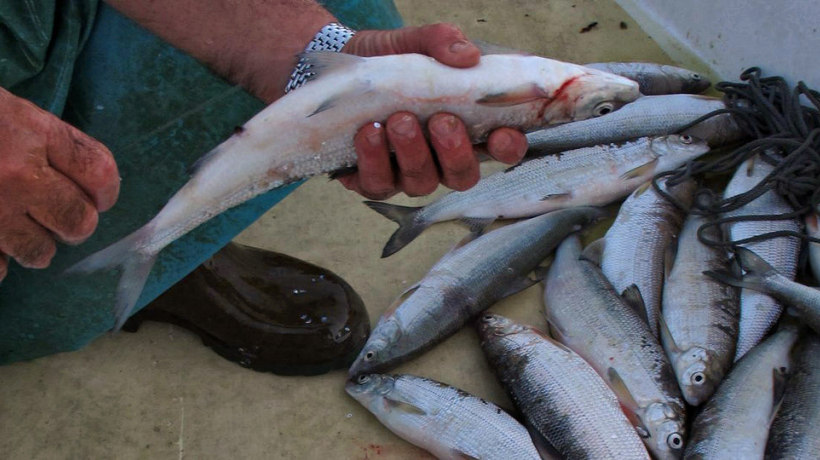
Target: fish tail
x=755, y=268
x=409, y=225
x=135, y=265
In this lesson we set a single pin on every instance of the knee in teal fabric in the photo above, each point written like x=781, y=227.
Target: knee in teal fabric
x=158, y=110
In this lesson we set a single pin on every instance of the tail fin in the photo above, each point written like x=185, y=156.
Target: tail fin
x=135, y=265
x=755, y=267
x=409, y=226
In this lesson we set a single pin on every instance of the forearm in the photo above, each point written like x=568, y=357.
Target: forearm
x=253, y=43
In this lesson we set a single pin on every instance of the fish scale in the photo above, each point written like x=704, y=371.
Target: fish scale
x=758, y=311
x=589, y=317
x=635, y=246
x=444, y=420
x=700, y=313
x=558, y=392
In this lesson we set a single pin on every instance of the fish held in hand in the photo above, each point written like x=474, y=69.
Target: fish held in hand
x=558, y=392
x=310, y=131
x=699, y=322
x=447, y=422
x=592, y=176
x=463, y=283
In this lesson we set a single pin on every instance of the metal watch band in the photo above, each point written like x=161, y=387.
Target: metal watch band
x=331, y=37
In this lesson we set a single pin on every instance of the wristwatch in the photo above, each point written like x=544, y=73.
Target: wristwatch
x=331, y=37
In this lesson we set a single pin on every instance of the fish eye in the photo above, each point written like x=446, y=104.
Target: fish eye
x=696, y=77
x=603, y=108
x=488, y=317
x=369, y=355
x=675, y=440
x=686, y=139
x=698, y=378
x=362, y=379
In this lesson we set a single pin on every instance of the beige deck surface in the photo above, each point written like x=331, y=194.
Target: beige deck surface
x=161, y=394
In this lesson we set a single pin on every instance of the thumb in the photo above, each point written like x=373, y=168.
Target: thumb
x=445, y=43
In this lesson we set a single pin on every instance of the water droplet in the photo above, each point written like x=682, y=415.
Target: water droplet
x=347, y=329
x=307, y=319
x=321, y=277
x=313, y=280
x=323, y=319
x=348, y=415
x=299, y=291
x=99, y=106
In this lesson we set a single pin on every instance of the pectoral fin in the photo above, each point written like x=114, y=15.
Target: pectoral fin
x=404, y=407
x=594, y=251
x=515, y=96
x=632, y=297
x=644, y=169
x=627, y=401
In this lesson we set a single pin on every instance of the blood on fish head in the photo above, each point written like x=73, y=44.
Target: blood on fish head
x=592, y=94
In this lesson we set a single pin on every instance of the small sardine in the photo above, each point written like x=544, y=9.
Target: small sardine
x=635, y=246
x=559, y=394
x=647, y=116
x=587, y=315
x=463, y=283
x=759, y=312
x=734, y=423
x=447, y=422
x=656, y=78
x=310, y=131
x=700, y=316
x=762, y=277
x=591, y=176
x=795, y=432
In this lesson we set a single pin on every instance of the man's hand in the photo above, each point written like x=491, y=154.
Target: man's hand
x=417, y=171
x=53, y=181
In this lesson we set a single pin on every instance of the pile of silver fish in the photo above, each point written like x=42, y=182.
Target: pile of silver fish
x=656, y=345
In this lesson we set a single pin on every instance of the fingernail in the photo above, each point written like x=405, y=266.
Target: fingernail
x=375, y=138
x=403, y=126
x=444, y=125
x=459, y=46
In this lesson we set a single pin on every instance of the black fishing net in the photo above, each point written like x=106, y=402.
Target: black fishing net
x=783, y=124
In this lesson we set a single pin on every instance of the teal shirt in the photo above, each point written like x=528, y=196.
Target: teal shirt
x=158, y=110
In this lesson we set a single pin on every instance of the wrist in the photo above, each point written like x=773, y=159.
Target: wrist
x=331, y=37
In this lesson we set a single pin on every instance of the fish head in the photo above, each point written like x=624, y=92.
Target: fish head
x=378, y=353
x=490, y=324
x=674, y=150
x=591, y=94
x=699, y=374
x=691, y=82
x=667, y=433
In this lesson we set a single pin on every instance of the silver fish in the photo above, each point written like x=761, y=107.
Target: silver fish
x=656, y=78
x=734, y=423
x=700, y=316
x=587, y=315
x=447, y=422
x=795, y=431
x=759, y=312
x=634, y=249
x=762, y=277
x=646, y=116
x=813, y=230
x=559, y=394
x=310, y=131
x=463, y=283
x=585, y=177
